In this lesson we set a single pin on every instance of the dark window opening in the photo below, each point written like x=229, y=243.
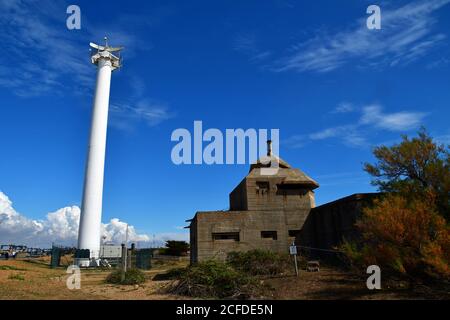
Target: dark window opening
x=269, y=235
x=287, y=186
x=262, y=187
x=293, y=233
x=291, y=189
x=226, y=236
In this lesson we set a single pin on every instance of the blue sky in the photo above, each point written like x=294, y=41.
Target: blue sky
x=309, y=68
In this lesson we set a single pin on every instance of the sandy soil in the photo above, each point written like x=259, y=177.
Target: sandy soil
x=336, y=284
x=34, y=279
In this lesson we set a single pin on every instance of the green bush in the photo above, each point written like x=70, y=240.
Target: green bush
x=175, y=273
x=259, y=262
x=175, y=248
x=11, y=268
x=132, y=276
x=20, y=277
x=213, y=279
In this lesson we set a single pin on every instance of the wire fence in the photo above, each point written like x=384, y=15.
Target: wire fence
x=330, y=255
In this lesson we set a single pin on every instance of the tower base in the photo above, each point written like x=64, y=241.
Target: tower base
x=87, y=263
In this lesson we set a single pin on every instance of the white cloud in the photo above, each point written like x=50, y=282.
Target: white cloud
x=125, y=116
x=61, y=227
x=116, y=230
x=137, y=108
x=407, y=34
x=344, y=107
x=45, y=57
x=371, y=118
x=39, y=54
x=400, y=121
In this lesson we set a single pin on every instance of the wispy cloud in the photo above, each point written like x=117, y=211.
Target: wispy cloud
x=342, y=178
x=46, y=58
x=399, y=121
x=125, y=116
x=40, y=56
x=348, y=134
x=371, y=118
x=137, y=108
x=344, y=107
x=407, y=34
x=247, y=43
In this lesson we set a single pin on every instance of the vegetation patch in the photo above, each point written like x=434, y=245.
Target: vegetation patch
x=213, y=279
x=16, y=276
x=407, y=232
x=11, y=268
x=259, y=262
x=132, y=276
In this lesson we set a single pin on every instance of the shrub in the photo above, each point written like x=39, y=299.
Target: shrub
x=259, y=262
x=20, y=277
x=11, y=268
x=175, y=273
x=214, y=279
x=404, y=237
x=132, y=276
x=175, y=248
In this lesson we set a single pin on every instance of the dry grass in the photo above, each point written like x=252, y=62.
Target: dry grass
x=40, y=282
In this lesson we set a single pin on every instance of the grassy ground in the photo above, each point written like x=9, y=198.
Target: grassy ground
x=34, y=279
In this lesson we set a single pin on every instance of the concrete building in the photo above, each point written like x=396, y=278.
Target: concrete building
x=267, y=211
x=272, y=211
x=327, y=225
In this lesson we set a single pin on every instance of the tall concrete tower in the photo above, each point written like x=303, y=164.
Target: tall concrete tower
x=105, y=58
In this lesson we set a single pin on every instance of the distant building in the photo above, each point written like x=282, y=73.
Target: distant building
x=266, y=211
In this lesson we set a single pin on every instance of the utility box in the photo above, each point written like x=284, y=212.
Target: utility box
x=56, y=257
x=110, y=252
x=144, y=259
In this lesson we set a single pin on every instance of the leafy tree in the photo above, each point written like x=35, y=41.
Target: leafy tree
x=405, y=231
x=414, y=168
x=176, y=248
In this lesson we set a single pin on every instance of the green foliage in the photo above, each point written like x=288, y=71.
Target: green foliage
x=132, y=276
x=16, y=276
x=213, y=279
x=175, y=273
x=231, y=278
x=11, y=268
x=259, y=262
x=414, y=168
x=406, y=232
x=175, y=248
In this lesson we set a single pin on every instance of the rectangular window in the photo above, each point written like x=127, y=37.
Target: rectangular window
x=269, y=235
x=233, y=236
x=293, y=233
x=262, y=187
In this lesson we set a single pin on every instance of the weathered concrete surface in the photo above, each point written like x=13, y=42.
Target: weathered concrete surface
x=266, y=212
